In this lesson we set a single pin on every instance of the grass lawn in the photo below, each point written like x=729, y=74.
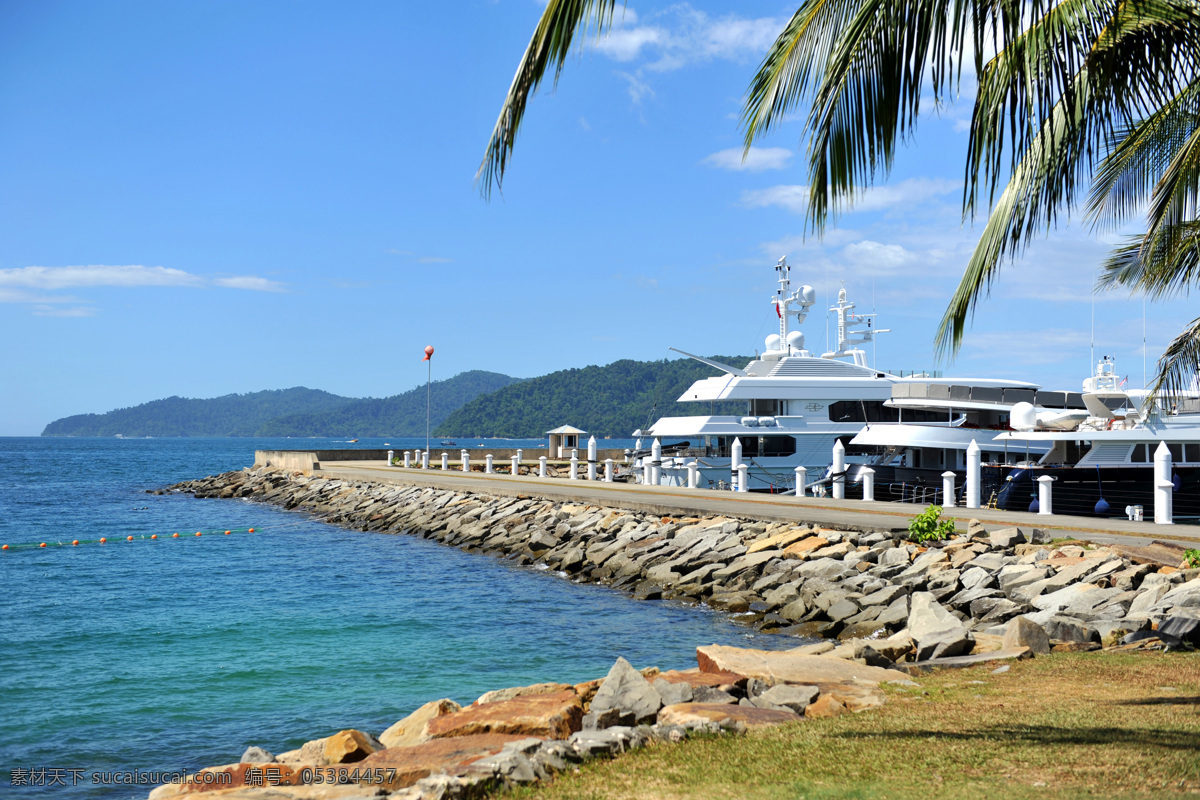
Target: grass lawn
x=1066, y=725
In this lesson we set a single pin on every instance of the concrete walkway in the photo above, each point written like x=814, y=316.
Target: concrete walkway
x=679, y=501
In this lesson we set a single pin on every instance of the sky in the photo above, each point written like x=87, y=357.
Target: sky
x=202, y=198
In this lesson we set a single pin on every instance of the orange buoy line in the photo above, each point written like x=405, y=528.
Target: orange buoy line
x=104, y=539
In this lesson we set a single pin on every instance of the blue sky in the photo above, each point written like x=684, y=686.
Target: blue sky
x=200, y=198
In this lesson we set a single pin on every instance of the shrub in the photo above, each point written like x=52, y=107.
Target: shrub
x=924, y=527
x=1191, y=559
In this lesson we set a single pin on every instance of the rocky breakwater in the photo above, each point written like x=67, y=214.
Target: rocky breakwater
x=525, y=734
x=947, y=598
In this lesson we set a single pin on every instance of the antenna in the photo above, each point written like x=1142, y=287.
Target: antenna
x=1092, y=354
x=1143, y=341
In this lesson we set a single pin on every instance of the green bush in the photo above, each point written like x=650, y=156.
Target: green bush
x=1191, y=559
x=924, y=527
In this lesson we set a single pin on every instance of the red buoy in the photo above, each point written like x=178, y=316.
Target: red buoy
x=250, y=531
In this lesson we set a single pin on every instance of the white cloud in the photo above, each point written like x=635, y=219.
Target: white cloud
x=50, y=278
x=638, y=88
x=250, y=283
x=51, y=311
x=626, y=45
x=756, y=160
x=792, y=198
x=906, y=195
x=873, y=257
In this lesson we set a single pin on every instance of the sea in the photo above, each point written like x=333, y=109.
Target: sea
x=133, y=657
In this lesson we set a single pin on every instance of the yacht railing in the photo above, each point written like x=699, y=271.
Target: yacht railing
x=987, y=394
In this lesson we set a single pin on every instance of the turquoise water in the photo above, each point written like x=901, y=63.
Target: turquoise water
x=179, y=653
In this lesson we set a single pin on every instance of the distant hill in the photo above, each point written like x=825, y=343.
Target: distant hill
x=401, y=415
x=285, y=412
x=612, y=400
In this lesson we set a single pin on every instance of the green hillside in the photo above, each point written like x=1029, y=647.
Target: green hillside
x=230, y=415
x=612, y=400
x=401, y=415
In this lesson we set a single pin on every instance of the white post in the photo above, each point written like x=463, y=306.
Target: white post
x=743, y=477
x=541, y=466
x=948, y=489
x=592, y=458
x=801, y=481
x=735, y=459
x=1164, y=511
x=445, y=461
x=487, y=464
x=574, y=474
x=655, y=461
x=1044, y=506
x=424, y=459
x=608, y=470
x=407, y=459
x=973, y=467
x=693, y=474
x=839, y=470
x=516, y=465
x=391, y=455
x=466, y=461
x=868, y=479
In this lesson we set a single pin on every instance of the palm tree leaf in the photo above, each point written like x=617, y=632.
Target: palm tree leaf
x=1179, y=365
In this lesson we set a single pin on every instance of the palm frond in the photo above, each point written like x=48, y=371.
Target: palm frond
x=550, y=46
x=1159, y=265
x=1179, y=366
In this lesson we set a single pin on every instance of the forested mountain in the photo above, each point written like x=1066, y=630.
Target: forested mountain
x=230, y=415
x=401, y=415
x=286, y=412
x=612, y=400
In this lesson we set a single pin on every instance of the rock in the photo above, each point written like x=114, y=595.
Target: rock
x=673, y=693
x=975, y=528
x=599, y=720
x=1186, y=629
x=1022, y=632
x=232, y=777
x=779, y=540
x=786, y=666
x=1006, y=538
x=350, y=746
x=795, y=610
x=712, y=695
x=957, y=662
x=842, y=609
x=625, y=689
x=1069, y=629
x=792, y=698
x=412, y=729
x=497, y=695
x=826, y=706
x=814, y=649
x=934, y=631
x=550, y=716
x=692, y=715
x=696, y=679
x=404, y=766
x=256, y=755
x=894, y=556
x=1075, y=647
x=802, y=548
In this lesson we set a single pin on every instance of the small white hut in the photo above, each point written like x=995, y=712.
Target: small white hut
x=563, y=440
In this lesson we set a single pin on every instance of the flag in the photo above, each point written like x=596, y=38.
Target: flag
x=777, y=311
x=1122, y=386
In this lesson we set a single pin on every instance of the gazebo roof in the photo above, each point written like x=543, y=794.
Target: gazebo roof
x=565, y=429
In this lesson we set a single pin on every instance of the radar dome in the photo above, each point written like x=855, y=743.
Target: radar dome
x=1023, y=417
x=795, y=340
x=808, y=295
x=774, y=342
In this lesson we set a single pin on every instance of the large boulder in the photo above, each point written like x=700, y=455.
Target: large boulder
x=404, y=766
x=549, y=716
x=413, y=729
x=1022, y=632
x=786, y=666
x=786, y=697
x=936, y=633
x=349, y=746
x=627, y=692
x=496, y=695
x=693, y=715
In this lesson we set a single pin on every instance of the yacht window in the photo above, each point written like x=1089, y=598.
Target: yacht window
x=1139, y=454
x=766, y=408
x=776, y=445
x=863, y=411
x=1191, y=452
x=1176, y=452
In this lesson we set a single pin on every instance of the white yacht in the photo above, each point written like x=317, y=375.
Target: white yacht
x=797, y=404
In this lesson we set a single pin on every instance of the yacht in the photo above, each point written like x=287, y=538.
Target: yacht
x=798, y=404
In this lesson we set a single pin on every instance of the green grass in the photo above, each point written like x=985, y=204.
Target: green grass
x=1070, y=725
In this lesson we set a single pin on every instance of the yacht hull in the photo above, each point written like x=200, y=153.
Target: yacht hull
x=1077, y=490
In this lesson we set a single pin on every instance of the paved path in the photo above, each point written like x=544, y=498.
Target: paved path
x=679, y=501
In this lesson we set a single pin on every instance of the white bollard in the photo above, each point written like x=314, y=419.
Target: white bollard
x=541, y=466
x=801, y=481
x=487, y=464
x=839, y=470
x=391, y=455
x=948, y=489
x=608, y=470
x=693, y=474
x=645, y=472
x=1044, y=506
x=445, y=461
x=743, y=478
x=466, y=461
x=574, y=474
x=973, y=467
x=516, y=466
x=592, y=458
x=735, y=459
x=407, y=459
x=655, y=462
x=868, y=481
x=424, y=459
x=1164, y=501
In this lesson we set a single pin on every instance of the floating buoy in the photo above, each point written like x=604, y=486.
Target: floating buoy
x=129, y=538
x=103, y=540
x=75, y=543
x=4, y=547
x=43, y=544
x=174, y=535
x=250, y=531
x=197, y=533
x=154, y=536
x=228, y=532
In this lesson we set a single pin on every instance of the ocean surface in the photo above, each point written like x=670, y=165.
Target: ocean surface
x=173, y=654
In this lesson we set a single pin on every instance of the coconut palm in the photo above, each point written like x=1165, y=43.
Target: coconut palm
x=1078, y=93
